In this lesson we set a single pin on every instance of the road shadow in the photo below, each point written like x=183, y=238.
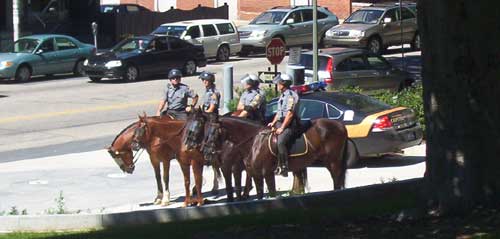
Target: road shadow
x=37, y=79
x=143, y=79
x=389, y=161
x=217, y=63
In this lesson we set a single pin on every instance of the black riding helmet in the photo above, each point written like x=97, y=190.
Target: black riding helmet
x=174, y=74
x=208, y=76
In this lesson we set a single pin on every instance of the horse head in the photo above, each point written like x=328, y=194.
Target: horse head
x=195, y=125
x=121, y=150
x=141, y=134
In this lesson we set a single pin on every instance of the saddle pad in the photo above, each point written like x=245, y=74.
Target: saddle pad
x=299, y=148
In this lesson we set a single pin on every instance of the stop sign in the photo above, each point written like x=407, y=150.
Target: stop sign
x=275, y=51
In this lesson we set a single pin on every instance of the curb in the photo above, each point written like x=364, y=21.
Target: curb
x=346, y=200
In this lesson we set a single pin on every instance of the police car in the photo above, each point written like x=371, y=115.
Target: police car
x=375, y=128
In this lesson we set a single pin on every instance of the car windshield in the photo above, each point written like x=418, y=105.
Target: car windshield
x=131, y=45
x=24, y=46
x=270, y=18
x=306, y=60
x=175, y=31
x=361, y=103
x=365, y=16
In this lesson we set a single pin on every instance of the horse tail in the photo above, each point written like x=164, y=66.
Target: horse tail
x=218, y=173
x=346, y=155
x=305, y=181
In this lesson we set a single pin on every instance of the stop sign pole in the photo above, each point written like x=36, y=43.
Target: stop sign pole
x=275, y=52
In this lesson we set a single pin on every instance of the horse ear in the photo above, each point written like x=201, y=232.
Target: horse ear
x=144, y=114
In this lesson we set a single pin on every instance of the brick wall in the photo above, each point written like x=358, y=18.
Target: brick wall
x=190, y=4
x=145, y=3
x=341, y=8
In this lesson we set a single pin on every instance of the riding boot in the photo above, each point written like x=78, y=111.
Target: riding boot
x=282, y=168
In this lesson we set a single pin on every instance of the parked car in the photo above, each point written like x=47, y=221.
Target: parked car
x=140, y=56
x=374, y=127
x=292, y=24
x=376, y=28
x=219, y=37
x=350, y=67
x=122, y=8
x=44, y=55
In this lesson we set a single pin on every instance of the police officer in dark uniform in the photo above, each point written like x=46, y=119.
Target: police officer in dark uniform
x=176, y=97
x=211, y=99
x=252, y=100
x=286, y=121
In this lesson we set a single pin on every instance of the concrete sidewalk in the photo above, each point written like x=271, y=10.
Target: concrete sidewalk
x=92, y=183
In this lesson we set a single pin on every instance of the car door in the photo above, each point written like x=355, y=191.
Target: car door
x=295, y=29
x=354, y=72
x=161, y=56
x=409, y=24
x=210, y=40
x=194, y=35
x=67, y=54
x=312, y=109
x=391, y=31
x=383, y=71
x=306, y=27
x=47, y=58
x=178, y=53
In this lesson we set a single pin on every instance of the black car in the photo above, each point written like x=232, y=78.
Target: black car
x=122, y=8
x=137, y=57
x=374, y=127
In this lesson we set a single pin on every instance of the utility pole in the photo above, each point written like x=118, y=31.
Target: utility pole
x=16, y=4
x=315, y=40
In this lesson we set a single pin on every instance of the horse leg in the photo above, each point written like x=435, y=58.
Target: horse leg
x=299, y=182
x=226, y=171
x=156, y=167
x=186, y=172
x=337, y=175
x=271, y=184
x=248, y=186
x=165, y=201
x=215, y=188
x=198, y=179
x=259, y=184
x=237, y=182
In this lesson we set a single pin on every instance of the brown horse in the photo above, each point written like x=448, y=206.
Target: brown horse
x=228, y=152
x=159, y=154
x=327, y=143
x=173, y=133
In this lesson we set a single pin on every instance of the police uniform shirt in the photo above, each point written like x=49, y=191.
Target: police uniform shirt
x=288, y=101
x=177, y=97
x=212, y=96
x=251, y=98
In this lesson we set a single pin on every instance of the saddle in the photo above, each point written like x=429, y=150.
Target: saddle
x=299, y=148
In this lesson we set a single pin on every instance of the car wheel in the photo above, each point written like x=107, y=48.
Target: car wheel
x=131, y=74
x=375, y=45
x=416, y=44
x=95, y=79
x=78, y=69
x=23, y=74
x=223, y=53
x=190, y=68
x=353, y=155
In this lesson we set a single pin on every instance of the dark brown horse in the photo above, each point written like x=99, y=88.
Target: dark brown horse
x=173, y=133
x=227, y=151
x=159, y=154
x=327, y=141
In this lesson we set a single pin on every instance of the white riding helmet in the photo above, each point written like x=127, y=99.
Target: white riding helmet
x=283, y=79
x=250, y=79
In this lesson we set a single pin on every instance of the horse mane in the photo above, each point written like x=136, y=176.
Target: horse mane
x=243, y=120
x=125, y=129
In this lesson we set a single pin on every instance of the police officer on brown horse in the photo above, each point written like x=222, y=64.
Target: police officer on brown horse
x=176, y=97
x=252, y=101
x=285, y=123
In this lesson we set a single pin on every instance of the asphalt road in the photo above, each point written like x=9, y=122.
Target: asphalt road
x=63, y=114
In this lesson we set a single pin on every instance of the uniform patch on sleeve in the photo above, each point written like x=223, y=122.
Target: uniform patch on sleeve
x=290, y=103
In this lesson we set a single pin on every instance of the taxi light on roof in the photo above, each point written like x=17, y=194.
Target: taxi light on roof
x=382, y=123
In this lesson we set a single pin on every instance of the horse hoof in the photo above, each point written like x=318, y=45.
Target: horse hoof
x=164, y=204
x=157, y=201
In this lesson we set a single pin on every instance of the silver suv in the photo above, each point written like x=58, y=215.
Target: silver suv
x=292, y=24
x=376, y=28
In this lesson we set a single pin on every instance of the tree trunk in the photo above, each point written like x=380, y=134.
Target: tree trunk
x=461, y=80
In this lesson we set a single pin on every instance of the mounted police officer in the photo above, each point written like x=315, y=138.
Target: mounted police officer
x=252, y=101
x=176, y=97
x=211, y=99
x=286, y=122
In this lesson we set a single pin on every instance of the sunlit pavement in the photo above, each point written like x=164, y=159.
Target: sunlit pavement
x=91, y=182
